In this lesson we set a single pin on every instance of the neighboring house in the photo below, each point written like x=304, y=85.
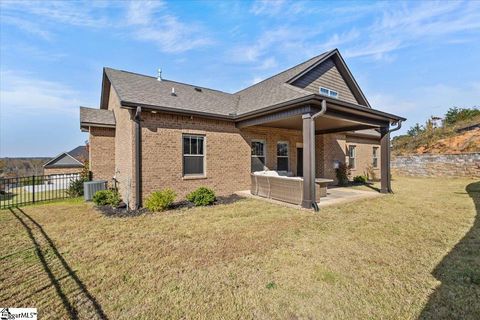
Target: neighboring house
x=151, y=133
x=67, y=162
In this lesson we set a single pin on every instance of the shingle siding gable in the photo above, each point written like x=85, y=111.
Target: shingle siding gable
x=326, y=75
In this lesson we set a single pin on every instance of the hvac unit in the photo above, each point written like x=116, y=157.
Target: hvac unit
x=90, y=187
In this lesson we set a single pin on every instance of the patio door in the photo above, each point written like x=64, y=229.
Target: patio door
x=300, y=162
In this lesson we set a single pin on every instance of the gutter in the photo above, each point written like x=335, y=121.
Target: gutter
x=138, y=158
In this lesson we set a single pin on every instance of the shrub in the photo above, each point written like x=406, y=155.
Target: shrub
x=106, y=197
x=113, y=198
x=202, y=196
x=342, y=173
x=100, y=198
x=360, y=179
x=160, y=200
x=76, y=188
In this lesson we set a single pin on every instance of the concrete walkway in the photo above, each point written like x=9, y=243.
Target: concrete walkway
x=335, y=195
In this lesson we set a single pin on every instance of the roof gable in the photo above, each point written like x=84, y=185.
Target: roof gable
x=326, y=75
x=75, y=158
x=335, y=63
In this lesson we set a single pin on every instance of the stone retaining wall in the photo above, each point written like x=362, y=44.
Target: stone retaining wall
x=437, y=165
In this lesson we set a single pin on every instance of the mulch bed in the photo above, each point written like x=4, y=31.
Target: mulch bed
x=122, y=212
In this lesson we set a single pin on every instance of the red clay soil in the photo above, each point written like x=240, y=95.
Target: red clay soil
x=468, y=141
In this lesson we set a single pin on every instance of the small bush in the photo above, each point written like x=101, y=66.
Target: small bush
x=342, y=173
x=113, y=198
x=360, y=179
x=100, y=198
x=76, y=188
x=106, y=197
x=202, y=196
x=160, y=200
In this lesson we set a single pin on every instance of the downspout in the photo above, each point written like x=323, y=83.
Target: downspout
x=389, y=185
x=138, y=158
x=312, y=154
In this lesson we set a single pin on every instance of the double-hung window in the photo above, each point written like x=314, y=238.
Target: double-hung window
x=282, y=156
x=258, y=155
x=351, y=156
x=375, y=157
x=193, y=155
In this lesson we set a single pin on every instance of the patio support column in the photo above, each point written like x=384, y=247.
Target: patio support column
x=308, y=130
x=385, y=161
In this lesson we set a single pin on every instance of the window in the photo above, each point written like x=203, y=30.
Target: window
x=351, y=156
x=258, y=155
x=282, y=156
x=328, y=92
x=375, y=157
x=193, y=155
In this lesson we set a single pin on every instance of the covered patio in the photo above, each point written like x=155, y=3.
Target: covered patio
x=318, y=115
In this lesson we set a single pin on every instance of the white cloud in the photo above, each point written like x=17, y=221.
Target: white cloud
x=27, y=26
x=25, y=94
x=267, y=7
x=268, y=63
x=172, y=36
x=152, y=21
x=413, y=25
x=65, y=12
x=255, y=80
x=149, y=21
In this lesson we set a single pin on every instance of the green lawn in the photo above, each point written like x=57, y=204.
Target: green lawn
x=413, y=254
x=20, y=196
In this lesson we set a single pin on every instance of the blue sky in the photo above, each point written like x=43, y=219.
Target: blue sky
x=414, y=59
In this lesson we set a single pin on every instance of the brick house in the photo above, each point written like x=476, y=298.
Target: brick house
x=151, y=133
x=69, y=162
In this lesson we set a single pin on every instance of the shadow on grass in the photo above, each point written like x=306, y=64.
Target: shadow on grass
x=458, y=296
x=43, y=243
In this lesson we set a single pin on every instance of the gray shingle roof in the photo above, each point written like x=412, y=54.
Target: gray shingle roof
x=96, y=116
x=141, y=89
x=80, y=153
x=274, y=90
x=146, y=90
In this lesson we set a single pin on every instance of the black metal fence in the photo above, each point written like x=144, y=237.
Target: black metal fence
x=19, y=191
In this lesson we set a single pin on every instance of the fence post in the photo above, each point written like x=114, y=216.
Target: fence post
x=33, y=188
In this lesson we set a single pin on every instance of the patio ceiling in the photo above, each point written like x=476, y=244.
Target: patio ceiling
x=337, y=118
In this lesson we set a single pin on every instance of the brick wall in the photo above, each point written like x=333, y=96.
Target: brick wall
x=124, y=163
x=272, y=136
x=48, y=171
x=226, y=150
x=364, y=155
x=102, y=153
x=438, y=165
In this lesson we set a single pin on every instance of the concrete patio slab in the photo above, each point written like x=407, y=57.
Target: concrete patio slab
x=335, y=195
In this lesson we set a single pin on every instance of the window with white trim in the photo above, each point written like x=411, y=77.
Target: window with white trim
x=258, y=155
x=351, y=156
x=282, y=156
x=328, y=92
x=375, y=157
x=193, y=155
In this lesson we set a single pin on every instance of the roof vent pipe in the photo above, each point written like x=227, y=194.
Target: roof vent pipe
x=173, y=92
x=159, y=75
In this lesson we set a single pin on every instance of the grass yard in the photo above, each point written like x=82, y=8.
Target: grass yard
x=414, y=254
x=20, y=196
